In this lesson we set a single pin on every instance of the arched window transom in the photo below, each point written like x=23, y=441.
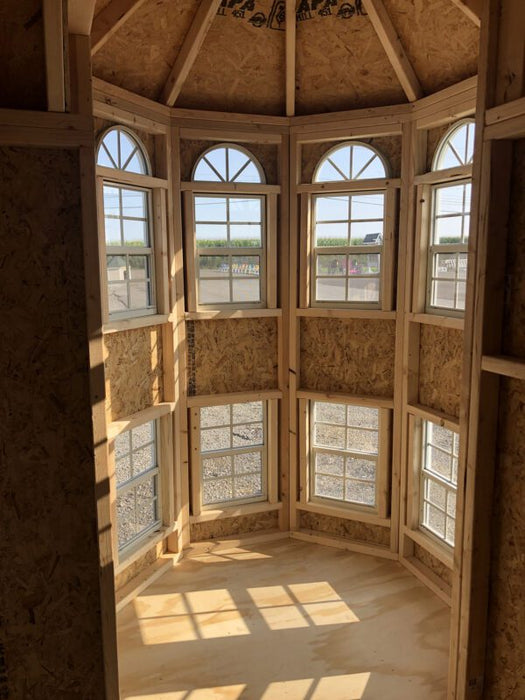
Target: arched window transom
x=228, y=163
x=351, y=161
x=120, y=149
x=456, y=148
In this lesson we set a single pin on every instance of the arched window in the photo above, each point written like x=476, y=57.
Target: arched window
x=229, y=229
x=128, y=230
x=450, y=220
x=228, y=163
x=120, y=149
x=351, y=161
x=348, y=229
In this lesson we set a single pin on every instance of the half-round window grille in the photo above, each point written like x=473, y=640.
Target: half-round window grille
x=228, y=163
x=351, y=161
x=456, y=148
x=121, y=150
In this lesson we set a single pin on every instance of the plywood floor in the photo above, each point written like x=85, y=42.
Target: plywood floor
x=284, y=620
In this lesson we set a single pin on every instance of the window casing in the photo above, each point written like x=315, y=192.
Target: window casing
x=138, y=508
x=126, y=212
x=348, y=229
x=438, y=481
x=347, y=464
x=450, y=222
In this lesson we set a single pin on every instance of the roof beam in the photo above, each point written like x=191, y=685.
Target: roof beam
x=290, y=27
x=80, y=16
x=190, y=49
x=394, y=49
x=53, y=11
x=471, y=8
x=110, y=19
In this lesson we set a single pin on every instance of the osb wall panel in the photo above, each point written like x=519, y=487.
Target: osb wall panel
x=22, y=57
x=140, y=55
x=355, y=356
x=240, y=67
x=133, y=366
x=437, y=567
x=514, y=329
x=49, y=568
x=388, y=146
x=231, y=355
x=138, y=566
x=505, y=669
x=341, y=64
x=243, y=525
x=266, y=154
x=440, y=368
x=349, y=529
x=440, y=41
x=147, y=140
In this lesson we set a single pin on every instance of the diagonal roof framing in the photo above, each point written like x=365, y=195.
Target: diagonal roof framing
x=471, y=8
x=290, y=28
x=393, y=47
x=190, y=48
x=110, y=19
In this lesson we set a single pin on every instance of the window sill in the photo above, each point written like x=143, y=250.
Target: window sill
x=443, y=552
x=128, y=324
x=235, y=511
x=438, y=319
x=345, y=312
x=211, y=314
x=348, y=512
x=142, y=547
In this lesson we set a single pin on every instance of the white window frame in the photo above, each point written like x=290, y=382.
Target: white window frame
x=269, y=452
x=376, y=513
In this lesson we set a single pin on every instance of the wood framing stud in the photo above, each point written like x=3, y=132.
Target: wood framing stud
x=80, y=16
x=394, y=49
x=190, y=48
x=471, y=8
x=110, y=20
x=290, y=57
x=54, y=42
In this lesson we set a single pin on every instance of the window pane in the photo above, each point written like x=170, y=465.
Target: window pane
x=448, y=230
x=112, y=231
x=329, y=487
x=215, y=439
x=327, y=289
x=360, y=417
x=126, y=524
x=116, y=268
x=217, y=159
x=111, y=201
x=214, y=291
x=248, y=435
x=364, y=264
x=450, y=531
x=217, y=491
x=331, y=234
x=435, y=493
x=330, y=412
x=362, y=440
x=135, y=233
x=330, y=436
x=134, y=204
x=212, y=266
x=143, y=435
x=367, y=233
x=146, y=505
x=247, y=412
x=357, y=492
x=210, y=209
x=331, y=265
x=144, y=458
x=247, y=463
x=139, y=295
x=245, y=235
x=450, y=199
x=248, y=486
x=439, y=462
x=211, y=235
x=138, y=267
x=363, y=290
x=214, y=415
x=434, y=519
x=367, y=206
x=117, y=297
x=443, y=294
x=123, y=468
x=245, y=210
x=360, y=469
x=326, y=463
x=334, y=208
x=216, y=467
x=204, y=172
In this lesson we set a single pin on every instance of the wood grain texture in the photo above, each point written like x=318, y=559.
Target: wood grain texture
x=266, y=154
x=388, y=146
x=231, y=355
x=437, y=567
x=241, y=525
x=440, y=368
x=23, y=75
x=441, y=43
x=349, y=529
x=514, y=315
x=355, y=356
x=49, y=562
x=505, y=667
x=240, y=68
x=133, y=367
x=138, y=566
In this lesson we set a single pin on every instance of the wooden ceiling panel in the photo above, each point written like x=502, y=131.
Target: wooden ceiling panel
x=441, y=42
x=341, y=64
x=141, y=53
x=241, y=65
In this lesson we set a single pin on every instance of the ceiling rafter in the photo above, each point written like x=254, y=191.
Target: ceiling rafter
x=290, y=27
x=190, y=48
x=471, y=8
x=110, y=19
x=393, y=47
x=80, y=16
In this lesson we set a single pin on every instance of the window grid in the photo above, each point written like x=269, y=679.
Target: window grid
x=236, y=264
x=343, y=165
x=110, y=152
x=143, y=471
x=237, y=493
x=247, y=169
x=348, y=261
x=438, y=489
x=347, y=455
x=139, y=293
x=448, y=261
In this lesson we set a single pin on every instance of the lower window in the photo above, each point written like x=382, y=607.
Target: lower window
x=344, y=453
x=439, y=480
x=137, y=476
x=233, y=453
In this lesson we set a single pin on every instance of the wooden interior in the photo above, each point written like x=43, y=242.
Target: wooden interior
x=287, y=81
